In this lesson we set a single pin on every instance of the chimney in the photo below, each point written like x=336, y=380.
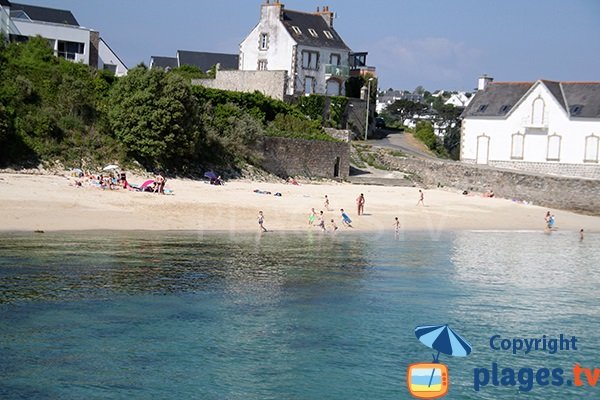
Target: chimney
x=270, y=10
x=484, y=80
x=327, y=15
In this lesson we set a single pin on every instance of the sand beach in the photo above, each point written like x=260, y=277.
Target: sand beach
x=54, y=203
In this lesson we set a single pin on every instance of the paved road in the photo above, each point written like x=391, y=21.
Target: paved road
x=391, y=139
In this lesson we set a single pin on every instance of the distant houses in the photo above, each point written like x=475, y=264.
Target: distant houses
x=542, y=126
x=69, y=40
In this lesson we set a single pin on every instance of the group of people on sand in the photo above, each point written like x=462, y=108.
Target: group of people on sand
x=113, y=180
x=318, y=219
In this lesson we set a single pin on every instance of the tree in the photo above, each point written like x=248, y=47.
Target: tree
x=404, y=109
x=155, y=116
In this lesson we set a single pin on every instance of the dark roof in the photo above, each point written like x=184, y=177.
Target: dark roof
x=306, y=21
x=5, y=3
x=205, y=61
x=494, y=99
x=578, y=99
x=585, y=95
x=45, y=14
x=554, y=88
x=163, y=62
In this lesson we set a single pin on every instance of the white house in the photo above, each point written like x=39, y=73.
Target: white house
x=67, y=38
x=543, y=126
x=304, y=44
x=460, y=99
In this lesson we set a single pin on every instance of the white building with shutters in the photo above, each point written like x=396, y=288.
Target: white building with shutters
x=543, y=126
x=303, y=44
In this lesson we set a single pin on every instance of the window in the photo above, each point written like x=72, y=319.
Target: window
x=309, y=85
x=576, y=110
x=482, y=108
x=504, y=109
x=262, y=65
x=264, y=41
x=591, y=149
x=334, y=59
x=518, y=141
x=68, y=50
x=328, y=34
x=111, y=68
x=296, y=30
x=553, y=148
x=537, y=112
x=310, y=60
x=313, y=32
x=19, y=14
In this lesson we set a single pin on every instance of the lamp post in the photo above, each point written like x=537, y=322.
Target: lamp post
x=368, y=102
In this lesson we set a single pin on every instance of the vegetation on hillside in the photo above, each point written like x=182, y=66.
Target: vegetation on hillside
x=55, y=110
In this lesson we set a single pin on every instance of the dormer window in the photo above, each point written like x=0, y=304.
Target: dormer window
x=576, y=110
x=482, y=108
x=328, y=34
x=504, y=109
x=313, y=32
x=296, y=30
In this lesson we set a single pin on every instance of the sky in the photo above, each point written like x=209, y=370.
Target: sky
x=437, y=44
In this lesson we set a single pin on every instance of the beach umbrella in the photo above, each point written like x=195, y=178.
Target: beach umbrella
x=210, y=175
x=444, y=340
x=146, y=184
x=110, y=167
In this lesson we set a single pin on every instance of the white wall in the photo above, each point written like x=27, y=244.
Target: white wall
x=319, y=74
x=284, y=54
x=555, y=121
x=107, y=56
x=57, y=32
x=280, y=47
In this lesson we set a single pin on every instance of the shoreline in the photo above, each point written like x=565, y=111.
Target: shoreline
x=51, y=203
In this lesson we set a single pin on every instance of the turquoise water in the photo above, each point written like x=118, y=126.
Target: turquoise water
x=142, y=315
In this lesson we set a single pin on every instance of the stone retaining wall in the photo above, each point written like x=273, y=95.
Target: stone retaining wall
x=309, y=158
x=269, y=83
x=574, y=194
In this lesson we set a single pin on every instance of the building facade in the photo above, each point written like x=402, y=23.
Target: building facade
x=67, y=38
x=305, y=45
x=543, y=126
x=202, y=60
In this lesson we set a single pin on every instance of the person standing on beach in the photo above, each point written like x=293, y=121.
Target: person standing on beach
x=360, y=203
x=123, y=179
x=261, y=220
x=326, y=204
x=312, y=216
x=396, y=225
x=581, y=235
x=160, y=183
x=421, y=198
x=322, y=221
x=334, y=226
x=346, y=219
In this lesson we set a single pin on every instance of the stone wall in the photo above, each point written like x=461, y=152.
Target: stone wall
x=591, y=171
x=269, y=83
x=310, y=158
x=575, y=194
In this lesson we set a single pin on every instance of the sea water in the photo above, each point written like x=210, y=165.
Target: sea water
x=164, y=315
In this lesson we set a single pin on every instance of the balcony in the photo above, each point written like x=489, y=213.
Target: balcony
x=337, y=71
